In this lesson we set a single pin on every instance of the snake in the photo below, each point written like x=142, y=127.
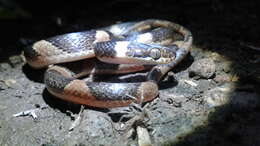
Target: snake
x=117, y=49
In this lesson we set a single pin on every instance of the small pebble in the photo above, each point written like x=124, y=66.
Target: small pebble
x=16, y=60
x=10, y=82
x=4, y=66
x=203, y=68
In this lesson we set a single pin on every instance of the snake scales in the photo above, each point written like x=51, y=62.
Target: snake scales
x=124, y=47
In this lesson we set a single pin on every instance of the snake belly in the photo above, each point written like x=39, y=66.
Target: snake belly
x=148, y=44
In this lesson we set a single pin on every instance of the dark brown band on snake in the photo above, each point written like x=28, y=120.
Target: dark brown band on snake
x=148, y=43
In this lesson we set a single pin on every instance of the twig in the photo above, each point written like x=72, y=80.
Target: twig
x=78, y=119
x=250, y=46
x=31, y=112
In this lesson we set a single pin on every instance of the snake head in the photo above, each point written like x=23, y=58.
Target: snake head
x=125, y=52
x=151, y=53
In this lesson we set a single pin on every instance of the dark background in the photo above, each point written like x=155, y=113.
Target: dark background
x=212, y=22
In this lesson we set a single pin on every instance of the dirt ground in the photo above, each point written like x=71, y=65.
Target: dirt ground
x=211, y=98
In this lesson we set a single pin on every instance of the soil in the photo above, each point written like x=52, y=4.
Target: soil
x=211, y=98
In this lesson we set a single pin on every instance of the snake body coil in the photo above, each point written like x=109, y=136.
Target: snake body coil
x=124, y=47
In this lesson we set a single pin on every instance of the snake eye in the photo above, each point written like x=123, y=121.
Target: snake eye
x=155, y=53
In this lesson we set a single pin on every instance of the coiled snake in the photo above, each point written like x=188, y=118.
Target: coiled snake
x=131, y=47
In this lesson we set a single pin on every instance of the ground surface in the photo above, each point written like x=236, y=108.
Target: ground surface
x=211, y=98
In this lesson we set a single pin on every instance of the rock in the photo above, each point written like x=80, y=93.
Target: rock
x=203, y=68
x=227, y=95
x=226, y=66
x=221, y=78
x=4, y=66
x=218, y=96
x=16, y=60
